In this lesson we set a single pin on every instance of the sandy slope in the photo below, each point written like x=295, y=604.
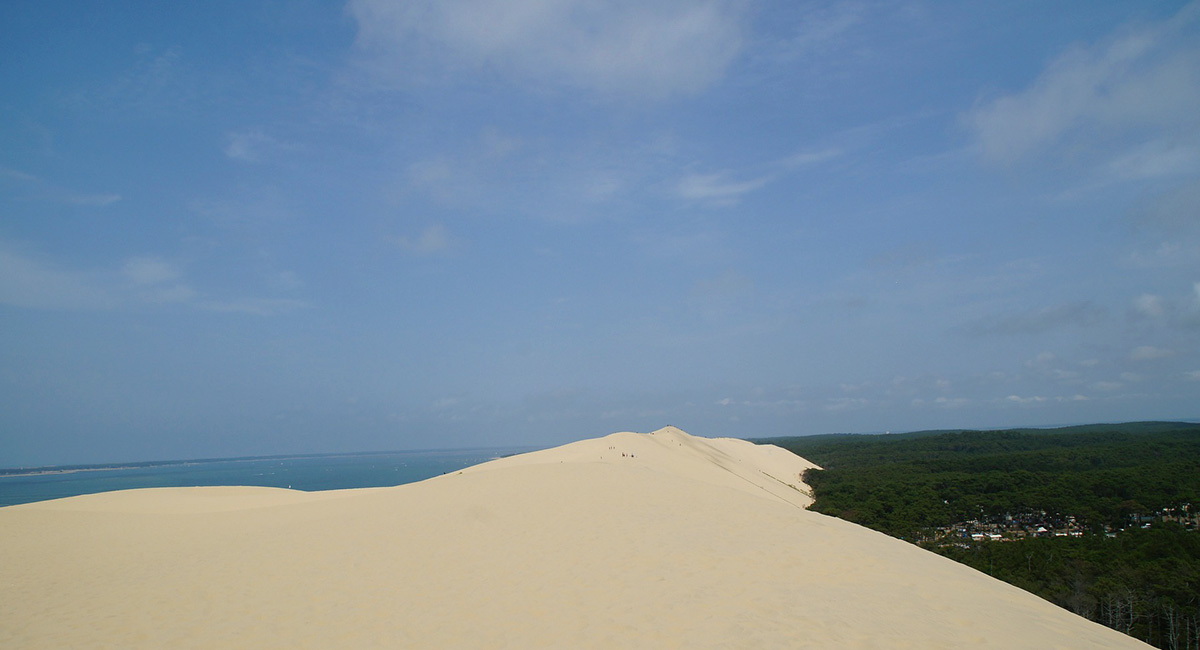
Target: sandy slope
x=628, y=541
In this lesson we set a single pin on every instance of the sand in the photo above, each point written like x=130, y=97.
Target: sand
x=659, y=540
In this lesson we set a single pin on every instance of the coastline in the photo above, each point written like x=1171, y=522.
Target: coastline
x=307, y=472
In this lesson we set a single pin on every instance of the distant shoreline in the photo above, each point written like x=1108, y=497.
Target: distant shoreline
x=48, y=470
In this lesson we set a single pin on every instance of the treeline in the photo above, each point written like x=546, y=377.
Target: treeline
x=1143, y=582
x=905, y=484
x=1106, y=478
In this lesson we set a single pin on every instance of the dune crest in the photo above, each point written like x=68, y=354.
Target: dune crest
x=756, y=469
x=659, y=540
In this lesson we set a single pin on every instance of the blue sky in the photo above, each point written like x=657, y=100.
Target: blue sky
x=255, y=227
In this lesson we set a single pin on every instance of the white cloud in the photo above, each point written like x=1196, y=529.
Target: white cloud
x=621, y=47
x=1167, y=254
x=253, y=145
x=91, y=199
x=17, y=175
x=26, y=281
x=482, y=174
x=509, y=176
x=1038, y=400
x=1149, y=305
x=431, y=174
x=38, y=189
x=806, y=158
x=255, y=306
x=1174, y=212
x=822, y=28
x=1149, y=353
x=444, y=403
x=154, y=281
x=151, y=81
x=727, y=285
x=285, y=280
x=717, y=187
x=149, y=270
x=433, y=239
x=1179, y=311
x=1145, y=78
x=497, y=145
x=1159, y=158
x=1074, y=314
x=30, y=282
x=721, y=297
x=180, y=293
x=951, y=402
x=264, y=208
x=721, y=189
x=845, y=403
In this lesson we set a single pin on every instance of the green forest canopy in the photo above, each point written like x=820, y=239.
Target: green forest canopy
x=1143, y=581
x=906, y=483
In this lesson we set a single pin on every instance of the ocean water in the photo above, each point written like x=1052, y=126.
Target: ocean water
x=308, y=473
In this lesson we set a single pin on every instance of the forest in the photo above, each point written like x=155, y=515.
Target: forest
x=1099, y=519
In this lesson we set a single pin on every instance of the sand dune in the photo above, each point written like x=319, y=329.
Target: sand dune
x=656, y=540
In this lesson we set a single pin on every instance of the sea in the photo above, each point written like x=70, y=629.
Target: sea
x=309, y=473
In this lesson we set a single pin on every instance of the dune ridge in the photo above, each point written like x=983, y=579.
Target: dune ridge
x=659, y=540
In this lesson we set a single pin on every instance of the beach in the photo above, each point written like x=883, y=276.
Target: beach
x=660, y=540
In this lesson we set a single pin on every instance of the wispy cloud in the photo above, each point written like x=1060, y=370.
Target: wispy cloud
x=717, y=187
x=1149, y=353
x=1074, y=314
x=846, y=403
x=16, y=175
x=1040, y=400
x=157, y=83
x=1165, y=157
x=34, y=188
x=649, y=50
x=1179, y=311
x=254, y=306
x=248, y=211
x=1149, y=77
x=1107, y=386
x=1172, y=213
x=462, y=175
x=724, y=188
x=149, y=270
x=1150, y=306
x=806, y=158
x=91, y=199
x=821, y=28
x=504, y=174
x=253, y=145
x=721, y=297
x=433, y=239
x=30, y=281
